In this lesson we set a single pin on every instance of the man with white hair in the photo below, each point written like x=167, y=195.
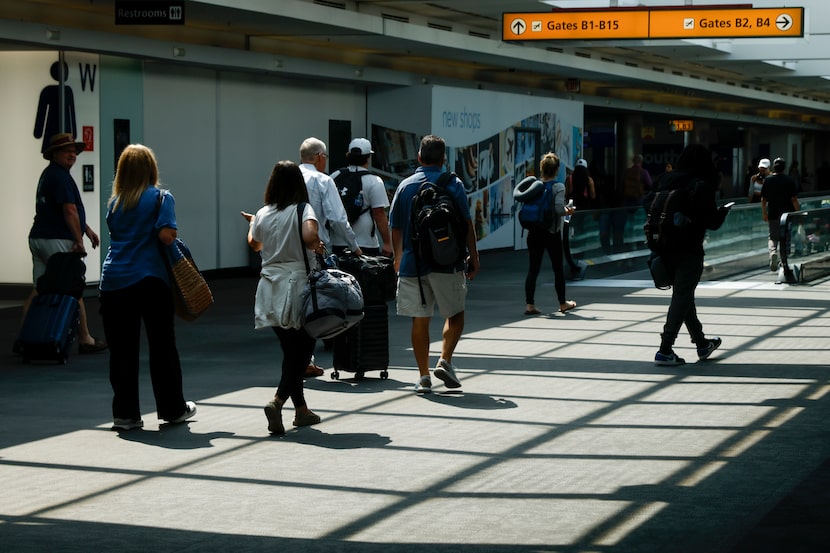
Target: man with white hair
x=323, y=196
x=324, y=199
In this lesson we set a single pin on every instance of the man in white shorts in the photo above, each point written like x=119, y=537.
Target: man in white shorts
x=60, y=224
x=447, y=288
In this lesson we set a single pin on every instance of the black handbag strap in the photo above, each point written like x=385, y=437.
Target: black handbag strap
x=300, y=209
x=162, y=247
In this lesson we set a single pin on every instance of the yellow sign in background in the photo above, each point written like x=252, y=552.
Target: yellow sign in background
x=654, y=23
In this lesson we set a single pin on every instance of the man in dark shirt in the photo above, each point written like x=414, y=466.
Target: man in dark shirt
x=778, y=196
x=60, y=223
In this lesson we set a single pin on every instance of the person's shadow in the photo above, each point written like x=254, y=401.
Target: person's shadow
x=464, y=400
x=350, y=440
x=47, y=120
x=173, y=436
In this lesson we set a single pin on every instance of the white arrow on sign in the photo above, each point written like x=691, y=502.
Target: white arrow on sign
x=518, y=26
x=783, y=22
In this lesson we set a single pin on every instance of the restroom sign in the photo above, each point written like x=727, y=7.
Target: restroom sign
x=152, y=12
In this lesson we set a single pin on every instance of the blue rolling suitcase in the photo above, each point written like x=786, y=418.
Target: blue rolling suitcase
x=365, y=346
x=49, y=328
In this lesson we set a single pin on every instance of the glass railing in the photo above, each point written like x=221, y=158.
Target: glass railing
x=805, y=243
x=618, y=233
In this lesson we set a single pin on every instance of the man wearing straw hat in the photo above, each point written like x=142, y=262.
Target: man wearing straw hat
x=60, y=223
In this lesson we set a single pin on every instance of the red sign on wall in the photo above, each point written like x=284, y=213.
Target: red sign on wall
x=89, y=139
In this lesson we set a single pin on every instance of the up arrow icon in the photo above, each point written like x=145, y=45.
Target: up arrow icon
x=518, y=26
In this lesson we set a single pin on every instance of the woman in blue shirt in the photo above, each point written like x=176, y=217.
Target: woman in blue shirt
x=135, y=287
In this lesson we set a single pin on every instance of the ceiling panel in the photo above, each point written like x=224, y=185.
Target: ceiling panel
x=461, y=38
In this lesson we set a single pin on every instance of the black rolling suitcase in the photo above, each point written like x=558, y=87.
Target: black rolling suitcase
x=51, y=323
x=375, y=274
x=365, y=346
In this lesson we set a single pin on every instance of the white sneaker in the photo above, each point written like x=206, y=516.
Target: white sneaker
x=446, y=372
x=424, y=385
x=189, y=411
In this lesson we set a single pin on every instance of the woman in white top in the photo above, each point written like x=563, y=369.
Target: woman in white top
x=275, y=232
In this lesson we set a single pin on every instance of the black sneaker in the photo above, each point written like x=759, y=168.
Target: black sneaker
x=668, y=360
x=710, y=345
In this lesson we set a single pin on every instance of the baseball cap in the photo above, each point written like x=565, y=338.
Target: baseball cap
x=581, y=163
x=763, y=163
x=360, y=146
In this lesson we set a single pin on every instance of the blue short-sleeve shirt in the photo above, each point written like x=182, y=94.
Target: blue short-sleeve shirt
x=135, y=251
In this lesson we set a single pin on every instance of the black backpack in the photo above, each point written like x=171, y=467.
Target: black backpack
x=350, y=187
x=65, y=274
x=666, y=215
x=438, y=231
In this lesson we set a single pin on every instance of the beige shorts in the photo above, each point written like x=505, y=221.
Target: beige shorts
x=42, y=249
x=448, y=290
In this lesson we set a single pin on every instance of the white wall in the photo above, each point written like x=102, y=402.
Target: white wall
x=217, y=136
x=25, y=75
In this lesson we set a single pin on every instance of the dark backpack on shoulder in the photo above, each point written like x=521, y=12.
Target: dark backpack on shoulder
x=350, y=187
x=666, y=215
x=536, y=213
x=438, y=231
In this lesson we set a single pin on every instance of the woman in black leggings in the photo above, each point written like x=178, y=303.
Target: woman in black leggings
x=550, y=240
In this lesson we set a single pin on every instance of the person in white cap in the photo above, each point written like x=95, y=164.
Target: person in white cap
x=756, y=183
x=365, y=200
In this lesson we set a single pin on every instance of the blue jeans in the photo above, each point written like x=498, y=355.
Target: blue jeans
x=687, y=268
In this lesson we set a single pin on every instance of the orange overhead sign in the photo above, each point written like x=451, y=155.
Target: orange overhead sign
x=727, y=23
x=575, y=25
x=654, y=23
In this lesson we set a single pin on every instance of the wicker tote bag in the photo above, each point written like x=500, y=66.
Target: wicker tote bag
x=191, y=292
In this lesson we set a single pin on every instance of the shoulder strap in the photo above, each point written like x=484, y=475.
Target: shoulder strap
x=300, y=209
x=444, y=179
x=340, y=172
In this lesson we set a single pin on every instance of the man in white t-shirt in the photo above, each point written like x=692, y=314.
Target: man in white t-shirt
x=367, y=201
